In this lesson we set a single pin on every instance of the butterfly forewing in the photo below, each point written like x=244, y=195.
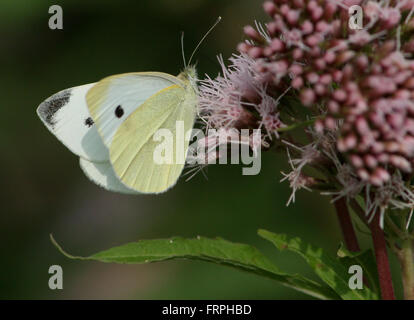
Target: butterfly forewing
x=66, y=115
x=113, y=99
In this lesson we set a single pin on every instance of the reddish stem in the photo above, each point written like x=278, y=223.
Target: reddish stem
x=348, y=232
x=381, y=255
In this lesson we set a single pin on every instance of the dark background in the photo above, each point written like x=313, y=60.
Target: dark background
x=43, y=190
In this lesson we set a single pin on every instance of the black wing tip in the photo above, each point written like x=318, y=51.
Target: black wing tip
x=48, y=108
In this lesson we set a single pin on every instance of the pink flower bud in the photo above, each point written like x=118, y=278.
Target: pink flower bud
x=362, y=62
x=243, y=47
x=362, y=126
x=269, y=7
x=284, y=9
x=297, y=54
x=325, y=79
x=319, y=126
x=307, y=97
x=307, y=27
x=320, y=64
x=333, y=107
x=356, y=161
x=312, y=77
x=323, y=27
x=363, y=174
x=339, y=95
x=400, y=163
x=316, y=13
x=337, y=76
x=273, y=28
x=297, y=83
x=296, y=69
x=350, y=141
x=320, y=89
x=252, y=33
x=277, y=45
x=370, y=161
x=292, y=16
x=330, y=123
x=390, y=17
x=345, y=56
x=255, y=52
x=329, y=57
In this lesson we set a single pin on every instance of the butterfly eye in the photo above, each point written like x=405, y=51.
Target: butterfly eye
x=119, y=112
x=89, y=122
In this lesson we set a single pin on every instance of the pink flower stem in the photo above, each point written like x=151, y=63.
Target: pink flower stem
x=345, y=222
x=381, y=255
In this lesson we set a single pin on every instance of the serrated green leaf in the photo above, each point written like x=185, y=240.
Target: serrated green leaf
x=219, y=251
x=327, y=267
x=366, y=259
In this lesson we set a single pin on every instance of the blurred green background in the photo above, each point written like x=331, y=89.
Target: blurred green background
x=43, y=190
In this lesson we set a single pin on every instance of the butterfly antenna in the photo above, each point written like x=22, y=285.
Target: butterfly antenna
x=182, y=49
x=202, y=39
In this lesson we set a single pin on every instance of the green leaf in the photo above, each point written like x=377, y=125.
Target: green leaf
x=327, y=267
x=220, y=251
x=366, y=259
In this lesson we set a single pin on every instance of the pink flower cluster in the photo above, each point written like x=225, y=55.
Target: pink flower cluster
x=356, y=84
x=377, y=108
x=362, y=80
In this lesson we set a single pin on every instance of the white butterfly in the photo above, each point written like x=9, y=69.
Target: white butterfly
x=110, y=126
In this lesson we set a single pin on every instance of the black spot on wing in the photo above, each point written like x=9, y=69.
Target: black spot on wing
x=119, y=112
x=89, y=122
x=50, y=106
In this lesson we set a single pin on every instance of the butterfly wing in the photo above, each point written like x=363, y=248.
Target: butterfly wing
x=149, y=102
x=114, y=98
x=66, y=115
x=132, y=150
x=103, y=175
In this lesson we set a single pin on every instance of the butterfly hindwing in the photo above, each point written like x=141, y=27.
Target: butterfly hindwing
x=66, y=115
x=132, y=149
x=103, y=175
